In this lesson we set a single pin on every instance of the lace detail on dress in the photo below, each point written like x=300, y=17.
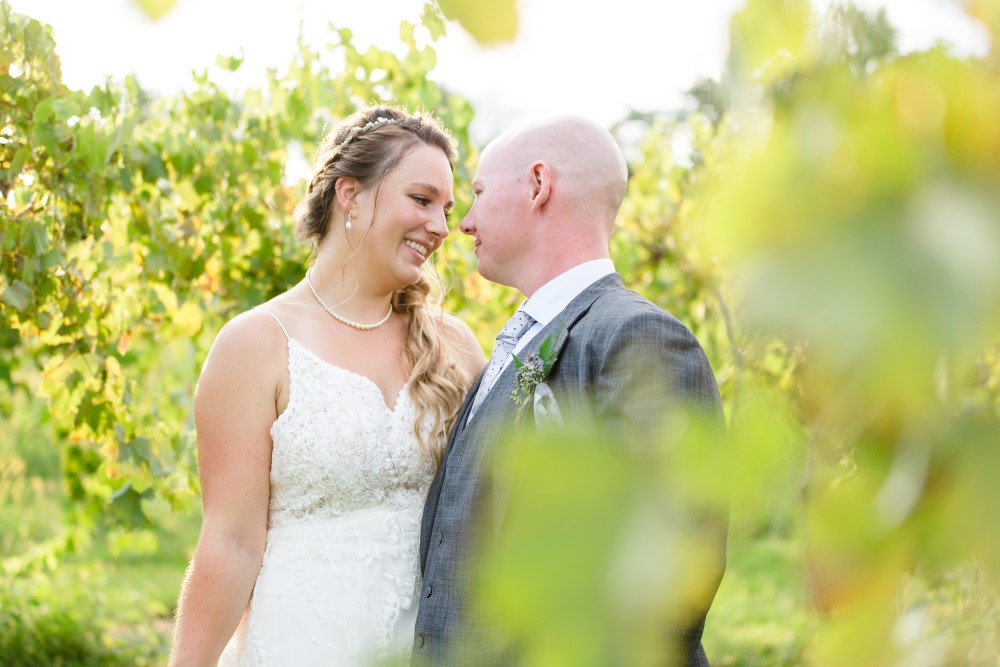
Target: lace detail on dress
x=340, y=576
x=339, y=448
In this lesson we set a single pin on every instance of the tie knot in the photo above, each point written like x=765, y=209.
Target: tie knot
x=516, y=327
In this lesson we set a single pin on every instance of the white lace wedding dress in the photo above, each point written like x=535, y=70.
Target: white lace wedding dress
x=339, y=581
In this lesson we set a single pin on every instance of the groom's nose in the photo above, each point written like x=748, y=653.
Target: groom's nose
x=468, y=224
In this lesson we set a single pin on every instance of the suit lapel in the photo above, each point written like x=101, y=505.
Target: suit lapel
x=502, y=409
x=463, y=413
x=498, y=401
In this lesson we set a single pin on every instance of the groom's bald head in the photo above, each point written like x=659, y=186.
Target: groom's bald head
x=547, y=195
x=588, y=166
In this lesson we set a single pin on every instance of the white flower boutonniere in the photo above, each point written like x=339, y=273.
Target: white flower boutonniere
x=529, y=383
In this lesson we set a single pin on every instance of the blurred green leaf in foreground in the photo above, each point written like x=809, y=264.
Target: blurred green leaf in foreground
x=858, y=210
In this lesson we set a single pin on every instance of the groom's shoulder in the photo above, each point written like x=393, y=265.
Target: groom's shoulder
x=623, y=317
x=619, y=296
x=619, y=306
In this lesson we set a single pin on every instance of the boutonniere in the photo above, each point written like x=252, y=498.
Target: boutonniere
x=529, y=382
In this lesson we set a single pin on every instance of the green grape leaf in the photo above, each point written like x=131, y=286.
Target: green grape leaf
x=432, y=20
x=16, y=164
x=487, y=22
x=155, y=9
x=406, y=33
x=18, y=296
x=230, y=63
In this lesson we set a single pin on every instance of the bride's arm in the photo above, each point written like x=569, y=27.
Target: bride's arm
x=234, y=410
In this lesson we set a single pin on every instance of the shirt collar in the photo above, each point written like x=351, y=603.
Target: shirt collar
x=552, y=298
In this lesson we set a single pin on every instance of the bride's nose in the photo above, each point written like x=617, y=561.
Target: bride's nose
x=438, y=225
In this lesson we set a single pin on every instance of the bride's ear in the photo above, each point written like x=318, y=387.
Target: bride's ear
x=347, y=190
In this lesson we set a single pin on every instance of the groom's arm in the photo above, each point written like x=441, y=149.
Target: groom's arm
x=656, y=391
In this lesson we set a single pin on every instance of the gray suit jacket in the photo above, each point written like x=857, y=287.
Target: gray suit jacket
x=624, y=361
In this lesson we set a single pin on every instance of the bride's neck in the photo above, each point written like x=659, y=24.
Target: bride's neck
x=343, y=289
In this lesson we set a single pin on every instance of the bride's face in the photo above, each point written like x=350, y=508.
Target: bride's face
x=404, y=219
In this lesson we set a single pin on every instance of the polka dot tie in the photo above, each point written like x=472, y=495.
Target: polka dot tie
x=516, y=327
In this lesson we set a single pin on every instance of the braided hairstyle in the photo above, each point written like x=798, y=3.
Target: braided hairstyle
x=366, y=146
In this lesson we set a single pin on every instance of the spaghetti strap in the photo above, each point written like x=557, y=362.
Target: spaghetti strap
x=275, y=318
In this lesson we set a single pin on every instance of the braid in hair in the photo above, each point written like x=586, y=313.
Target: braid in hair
x=438, y=381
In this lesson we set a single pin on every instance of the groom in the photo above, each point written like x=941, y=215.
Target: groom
x=547, y=196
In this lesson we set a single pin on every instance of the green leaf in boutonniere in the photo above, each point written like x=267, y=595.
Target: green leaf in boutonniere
x=534, y=369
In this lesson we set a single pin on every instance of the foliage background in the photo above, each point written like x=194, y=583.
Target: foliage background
x=832, y=240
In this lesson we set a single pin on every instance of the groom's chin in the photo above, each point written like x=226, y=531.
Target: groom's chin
x=497, y=277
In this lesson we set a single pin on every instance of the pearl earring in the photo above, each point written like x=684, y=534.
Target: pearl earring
x=347, y=225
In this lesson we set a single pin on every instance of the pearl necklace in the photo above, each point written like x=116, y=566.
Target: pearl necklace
x=341, y=318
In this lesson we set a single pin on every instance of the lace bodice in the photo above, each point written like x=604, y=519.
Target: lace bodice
x=340, y=576
x=338, y=448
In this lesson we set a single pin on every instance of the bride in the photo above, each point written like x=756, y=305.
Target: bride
x=321, y=416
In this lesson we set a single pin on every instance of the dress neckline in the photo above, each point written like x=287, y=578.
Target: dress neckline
x=363, y=379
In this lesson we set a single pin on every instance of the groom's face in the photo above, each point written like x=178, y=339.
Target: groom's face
x=495, y=216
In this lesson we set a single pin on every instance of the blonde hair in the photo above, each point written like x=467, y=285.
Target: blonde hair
x=366, y=146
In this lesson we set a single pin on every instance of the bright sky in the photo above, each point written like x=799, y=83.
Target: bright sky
x=599, y=60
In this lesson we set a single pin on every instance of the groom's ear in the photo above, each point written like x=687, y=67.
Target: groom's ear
x=541, y=184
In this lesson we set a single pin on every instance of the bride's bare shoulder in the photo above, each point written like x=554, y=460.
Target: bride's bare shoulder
x=460, y=336
x=252, y=332
x=250, y=343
